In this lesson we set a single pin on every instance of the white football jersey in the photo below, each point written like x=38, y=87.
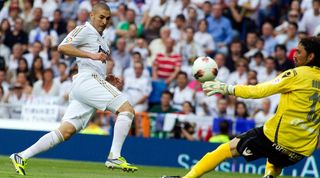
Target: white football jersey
x=86, y=38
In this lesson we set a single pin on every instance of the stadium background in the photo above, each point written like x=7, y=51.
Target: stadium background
x=251, y=40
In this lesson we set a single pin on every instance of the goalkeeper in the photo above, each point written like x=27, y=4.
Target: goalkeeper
x=292, y=133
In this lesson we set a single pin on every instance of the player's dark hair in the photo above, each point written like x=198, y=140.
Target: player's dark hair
x=312, y=45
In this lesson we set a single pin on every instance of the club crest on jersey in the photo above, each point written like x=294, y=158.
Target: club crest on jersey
x=68, y=40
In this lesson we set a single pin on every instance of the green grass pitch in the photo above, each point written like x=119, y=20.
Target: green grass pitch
x=51, y=168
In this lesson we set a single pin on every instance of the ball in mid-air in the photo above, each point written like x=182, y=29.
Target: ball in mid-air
x=204, y=69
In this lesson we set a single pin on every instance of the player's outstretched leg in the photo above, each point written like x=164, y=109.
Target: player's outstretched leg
x=49, y=140
x=271, y=171
x=214, y=158
x=121, y=130
x=19, y=163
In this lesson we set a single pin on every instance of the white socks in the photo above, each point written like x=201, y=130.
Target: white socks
x=121, y=129
x=46, y=142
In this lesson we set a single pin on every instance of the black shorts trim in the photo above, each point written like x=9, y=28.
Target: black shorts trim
x=254, y=145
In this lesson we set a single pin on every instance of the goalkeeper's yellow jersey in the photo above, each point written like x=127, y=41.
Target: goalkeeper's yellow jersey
x=296, y=124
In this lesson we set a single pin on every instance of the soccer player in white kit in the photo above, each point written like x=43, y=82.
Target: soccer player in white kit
x=90, y=91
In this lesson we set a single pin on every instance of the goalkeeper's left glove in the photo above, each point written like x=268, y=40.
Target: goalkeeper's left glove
x=214, y=87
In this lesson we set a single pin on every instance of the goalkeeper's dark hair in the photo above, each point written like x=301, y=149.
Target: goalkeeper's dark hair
x=312, y=45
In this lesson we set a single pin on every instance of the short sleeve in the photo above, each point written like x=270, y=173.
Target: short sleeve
x=76, y=37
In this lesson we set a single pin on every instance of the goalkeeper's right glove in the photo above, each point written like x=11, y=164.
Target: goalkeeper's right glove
x=214, y=87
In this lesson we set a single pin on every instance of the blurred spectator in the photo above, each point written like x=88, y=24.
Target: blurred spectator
x=138, y=88
x=251, y=44
x=48, y=7
x=292, y=39
x=223, y=136
x=264, y=114
x=4, y=51
x=223, y=71
x=184, y=130
x=121, y=57
x=136, y=57
x=16, y=98
x=46, y=86
x=5, y=85
x=234, y=55
x=188, y=109
x=311, y=18
x=36, y=71
x=269, y=72
x=207, y=9
x=22, y=67
x=120, y=14
x=281, y=58
x=153, y=31
x=69, y=9
x=220, y=28
x=240, y=21
x=123, y=27
x=22, y=79
x=3, y=109
x=189, y=49
x=222, y=110
x=177, y=28
x=5, y=27
x=166, y=65
x=35, y=51
x=62, y=73
x=27, y=11
x=16, y=55
x=192, y=17
x=141, y=46
x=40, y=33
x=181, y=93
x=13, y=14
x=5, y=11
x=204, y=39
x=165, y=105
x=156, y=8
x=82, y=16
x=58, y=23
x=66, y=86
x=239, y=76
x=37, y=15
x=55, y=61
x=267, y=36
x=158, y=45
x=241, y=111
x=257, y=62
x=17, y=35
x=293, y=16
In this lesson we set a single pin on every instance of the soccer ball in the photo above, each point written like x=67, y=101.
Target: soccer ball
x=204, y=69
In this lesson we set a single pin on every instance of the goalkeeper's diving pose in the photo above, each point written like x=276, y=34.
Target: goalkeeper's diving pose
x=292, y=133
x=90, y=91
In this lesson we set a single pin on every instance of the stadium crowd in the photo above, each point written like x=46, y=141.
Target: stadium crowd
x=154, y=43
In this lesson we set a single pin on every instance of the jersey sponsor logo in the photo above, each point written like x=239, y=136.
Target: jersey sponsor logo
x=247, y=152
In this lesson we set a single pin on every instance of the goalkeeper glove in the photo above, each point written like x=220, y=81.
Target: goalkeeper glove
x=214, y=87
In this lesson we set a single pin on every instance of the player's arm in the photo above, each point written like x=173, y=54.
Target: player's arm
x=281, y=84
x=77, y=37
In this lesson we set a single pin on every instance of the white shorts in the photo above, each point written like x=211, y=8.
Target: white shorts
x=91, y=92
